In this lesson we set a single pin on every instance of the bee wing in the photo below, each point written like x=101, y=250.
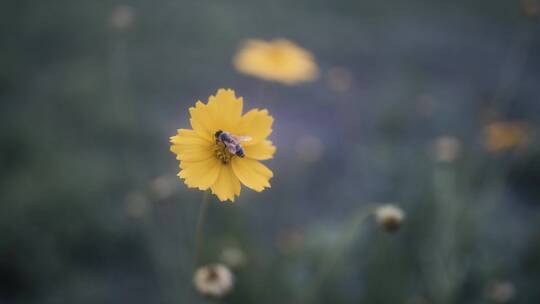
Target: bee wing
x=243, y=138
x=231, y=148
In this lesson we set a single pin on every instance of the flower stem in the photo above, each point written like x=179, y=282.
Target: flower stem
x=447, y=270
x=199, y=230
x=351, y=231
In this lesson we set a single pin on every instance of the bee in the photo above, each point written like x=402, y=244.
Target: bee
x=232, y=142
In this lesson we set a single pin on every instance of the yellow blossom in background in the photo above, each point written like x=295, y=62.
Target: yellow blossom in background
x=277, y=60
x=208, y=163
x=500, y=136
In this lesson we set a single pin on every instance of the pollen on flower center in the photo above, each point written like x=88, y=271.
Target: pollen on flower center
x=222, y=153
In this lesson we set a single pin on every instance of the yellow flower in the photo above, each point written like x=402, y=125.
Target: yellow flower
x=278, y=60
x=207, y=162
x=500, y=136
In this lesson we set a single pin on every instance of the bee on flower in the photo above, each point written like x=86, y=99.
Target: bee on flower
x=277, y=60
x=224, y=147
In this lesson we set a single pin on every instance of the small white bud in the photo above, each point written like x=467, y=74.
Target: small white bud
x=389, y=217
x=214, y=280
x=447, y=148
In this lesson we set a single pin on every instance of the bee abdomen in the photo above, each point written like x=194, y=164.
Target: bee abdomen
x=240, y=152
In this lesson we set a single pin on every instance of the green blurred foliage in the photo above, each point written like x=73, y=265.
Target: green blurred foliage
x=91, y=210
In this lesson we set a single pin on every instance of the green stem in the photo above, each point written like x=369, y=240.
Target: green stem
x=446, y=274
x=199, y=231
x=351, y=230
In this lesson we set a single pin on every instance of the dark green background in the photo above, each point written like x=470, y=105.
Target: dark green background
x=87, y=110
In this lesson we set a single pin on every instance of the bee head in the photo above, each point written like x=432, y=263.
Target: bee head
x=218, y=133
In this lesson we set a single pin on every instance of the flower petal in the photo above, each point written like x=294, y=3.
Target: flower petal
x=252, y=173
x=227, y=109
x=227, y=185
x=200, y=174
x=189, y=146
x=191, y=153
x=202, y=120
x=185, y=136
x=257, y=124
x=222, y=112
x=260, y=151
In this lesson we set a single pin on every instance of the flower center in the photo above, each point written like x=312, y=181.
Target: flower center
x=221, y=153
x=213, y=274
x=277, y=55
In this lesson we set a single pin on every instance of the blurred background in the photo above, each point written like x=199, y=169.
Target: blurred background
x=432, y=106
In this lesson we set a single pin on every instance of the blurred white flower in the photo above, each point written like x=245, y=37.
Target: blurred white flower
x=389, y=217
x=530, y=8
x=122, y=17
x=500, y=291
x=233, y=257
x=164, y=186
x=214, y=280
x=446, y=148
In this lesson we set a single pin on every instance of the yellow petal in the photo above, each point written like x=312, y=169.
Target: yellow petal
x=185, y=136
x=202, y=120
x=257, y=124
x=227, y=109
x=227, y=185
x=189, y=146
x=252, y=173
x=260, y=151
x=222, y=112
x=200, y=174
x=191, y=153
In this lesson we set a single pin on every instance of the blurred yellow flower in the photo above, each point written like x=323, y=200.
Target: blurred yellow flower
x=224, y=147
x=277, y=60
x=499, y=136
